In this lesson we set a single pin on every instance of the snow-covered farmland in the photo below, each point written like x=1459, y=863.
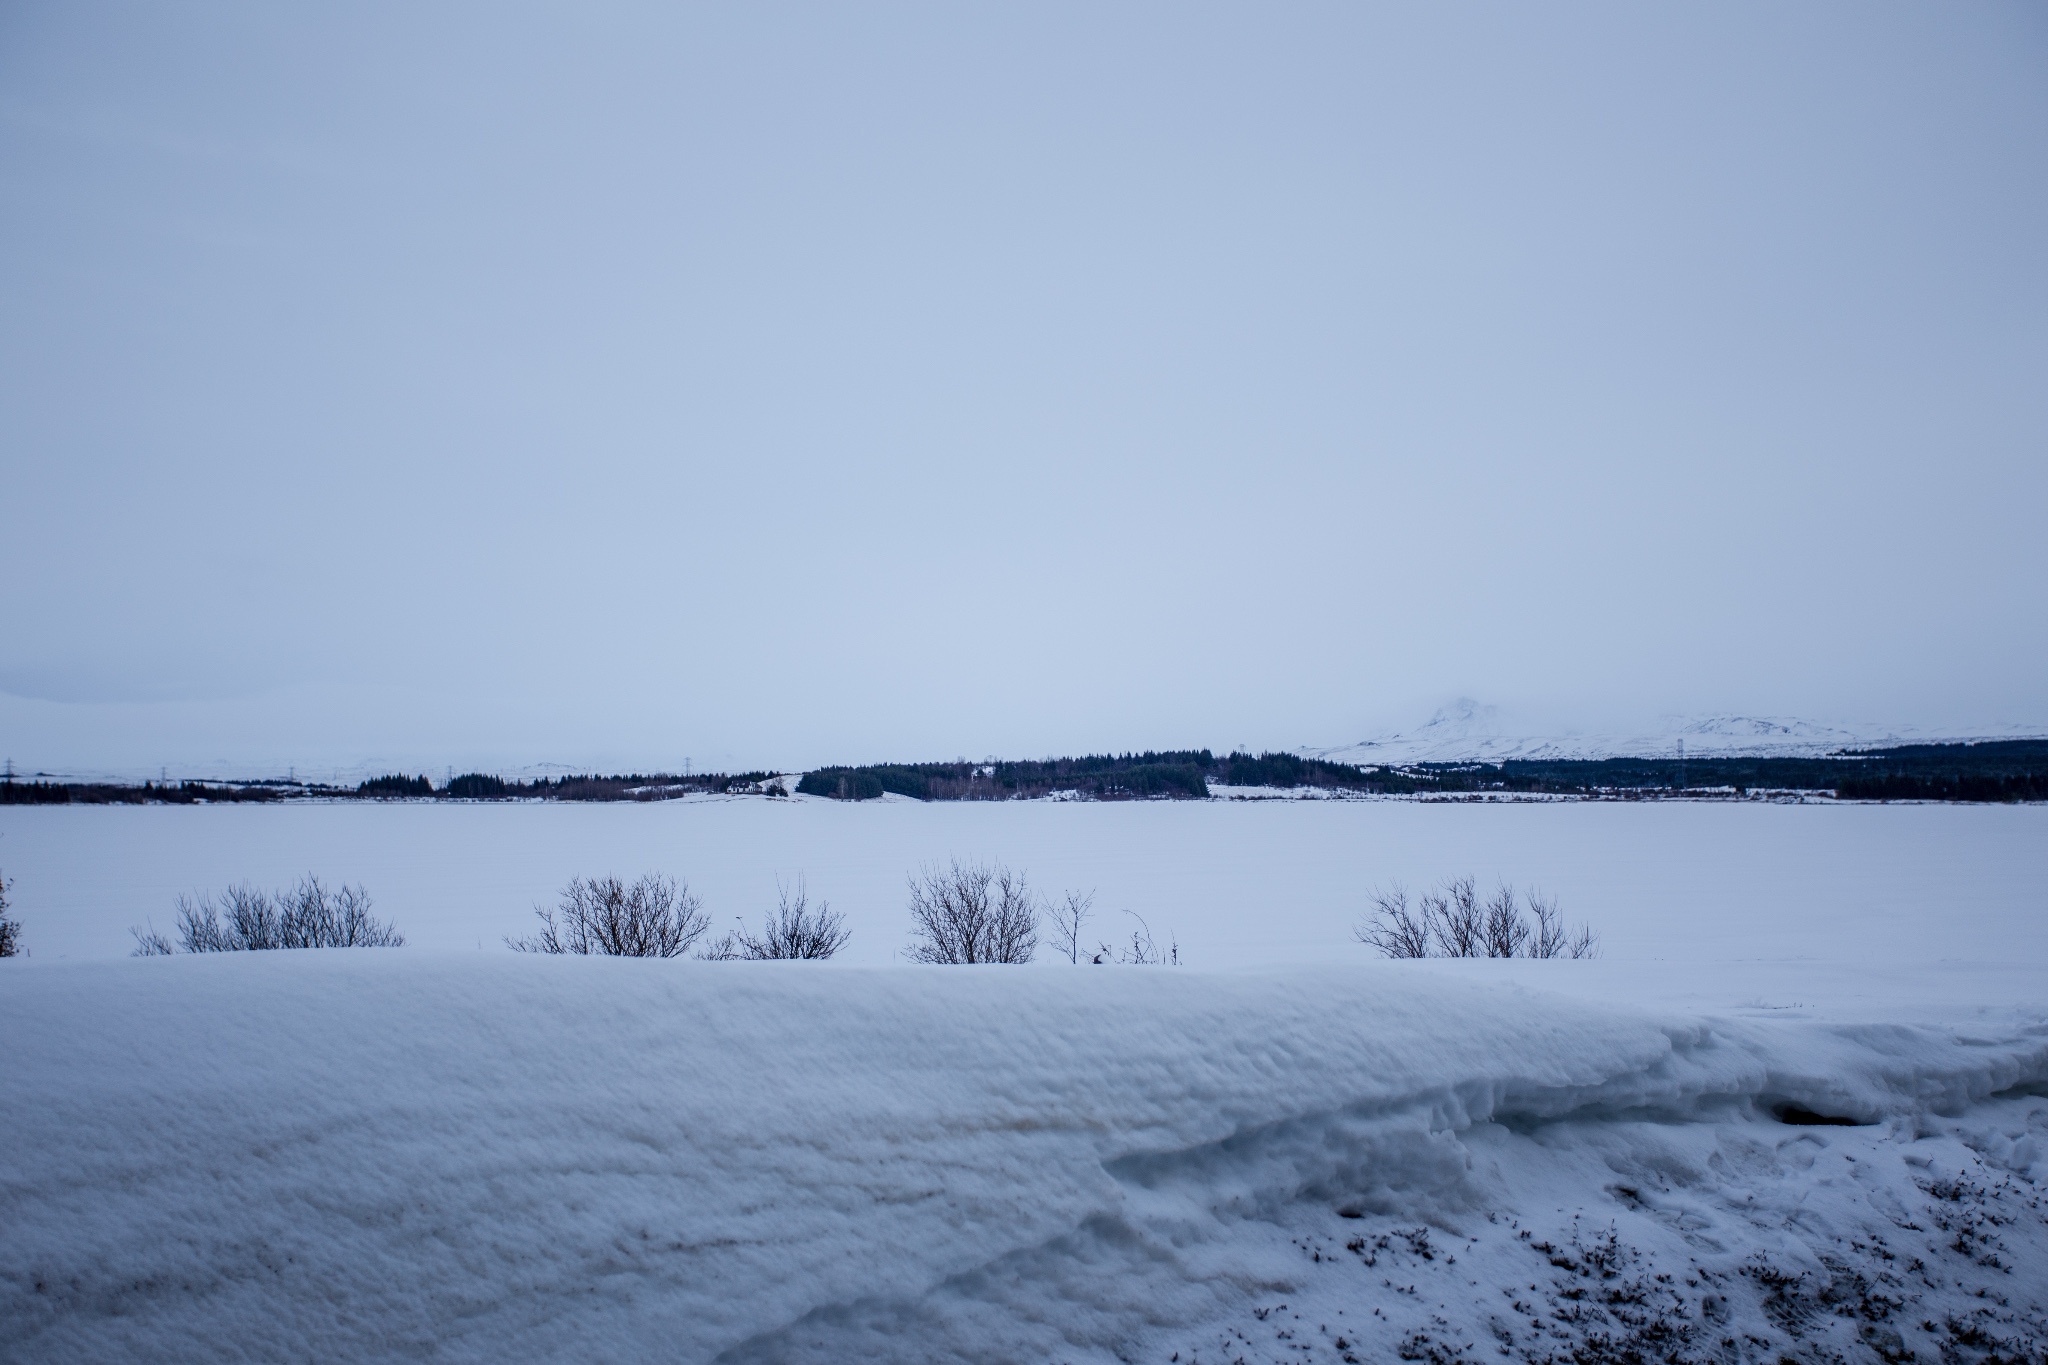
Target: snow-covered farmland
x=1289, y=1151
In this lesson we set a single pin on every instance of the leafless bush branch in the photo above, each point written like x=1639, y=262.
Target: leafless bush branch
x=10, y=928
x=796, y=929
x=1458, y=923
x=654, y=917
x=1453, y=922
x=246, y=919
x=972, y=912
x=1504, y=931
x=1551, y=939
x=150, y=943
x=251, y=922
x=311, y=916
x=1068, y=915
x=1392, y=927
x=1584, y=944
x=1143, y=952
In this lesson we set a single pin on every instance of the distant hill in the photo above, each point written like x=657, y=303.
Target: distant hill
x=1467, y=731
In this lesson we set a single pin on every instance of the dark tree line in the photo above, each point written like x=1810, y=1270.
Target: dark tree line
x=396, y=784
x=1945, y=786
x=2005, y=770
x=578, y=787
x=1183, y=774
x=34, y=794
x=1102, y=776
x=121, y=794
x=1996, y=770
x=388, y=787
x=2002, y=770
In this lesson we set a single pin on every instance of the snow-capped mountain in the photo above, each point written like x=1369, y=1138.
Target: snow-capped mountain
x=1466, y=730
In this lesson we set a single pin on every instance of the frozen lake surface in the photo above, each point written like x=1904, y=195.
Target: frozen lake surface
x=1239, y=884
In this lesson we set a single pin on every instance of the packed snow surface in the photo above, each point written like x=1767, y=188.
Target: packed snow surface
x=402, y=1154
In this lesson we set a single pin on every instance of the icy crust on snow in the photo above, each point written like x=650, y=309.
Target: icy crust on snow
x=382, y=1154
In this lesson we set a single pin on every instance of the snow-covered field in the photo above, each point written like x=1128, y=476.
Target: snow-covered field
x=1289, y=1151
x=1239, y=883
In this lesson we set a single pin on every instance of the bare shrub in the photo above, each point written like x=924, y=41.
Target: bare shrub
x=795, y=930
x=1392, y=927
x=972, y=912
x=10, y=928
x=654, y=917
x=1457, y=923
x=1067, y=916
x=1503, y=930
x=310, y=916
x=250, y=922
x=1071, y=913
x=1551, y=939
x=253, y=922
x=245, y=919
x=1452, y=921
x=1142, y=951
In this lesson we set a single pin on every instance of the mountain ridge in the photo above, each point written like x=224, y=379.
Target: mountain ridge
x=1467, y=730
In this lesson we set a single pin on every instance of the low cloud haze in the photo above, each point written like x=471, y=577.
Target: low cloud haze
x=489, y=385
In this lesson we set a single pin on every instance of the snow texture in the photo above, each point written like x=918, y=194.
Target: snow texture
x=397, y=1154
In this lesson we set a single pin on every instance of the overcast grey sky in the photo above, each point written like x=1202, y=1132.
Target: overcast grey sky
x=482, y=385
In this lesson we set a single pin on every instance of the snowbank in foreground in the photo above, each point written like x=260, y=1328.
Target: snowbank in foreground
x=389, y=1154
